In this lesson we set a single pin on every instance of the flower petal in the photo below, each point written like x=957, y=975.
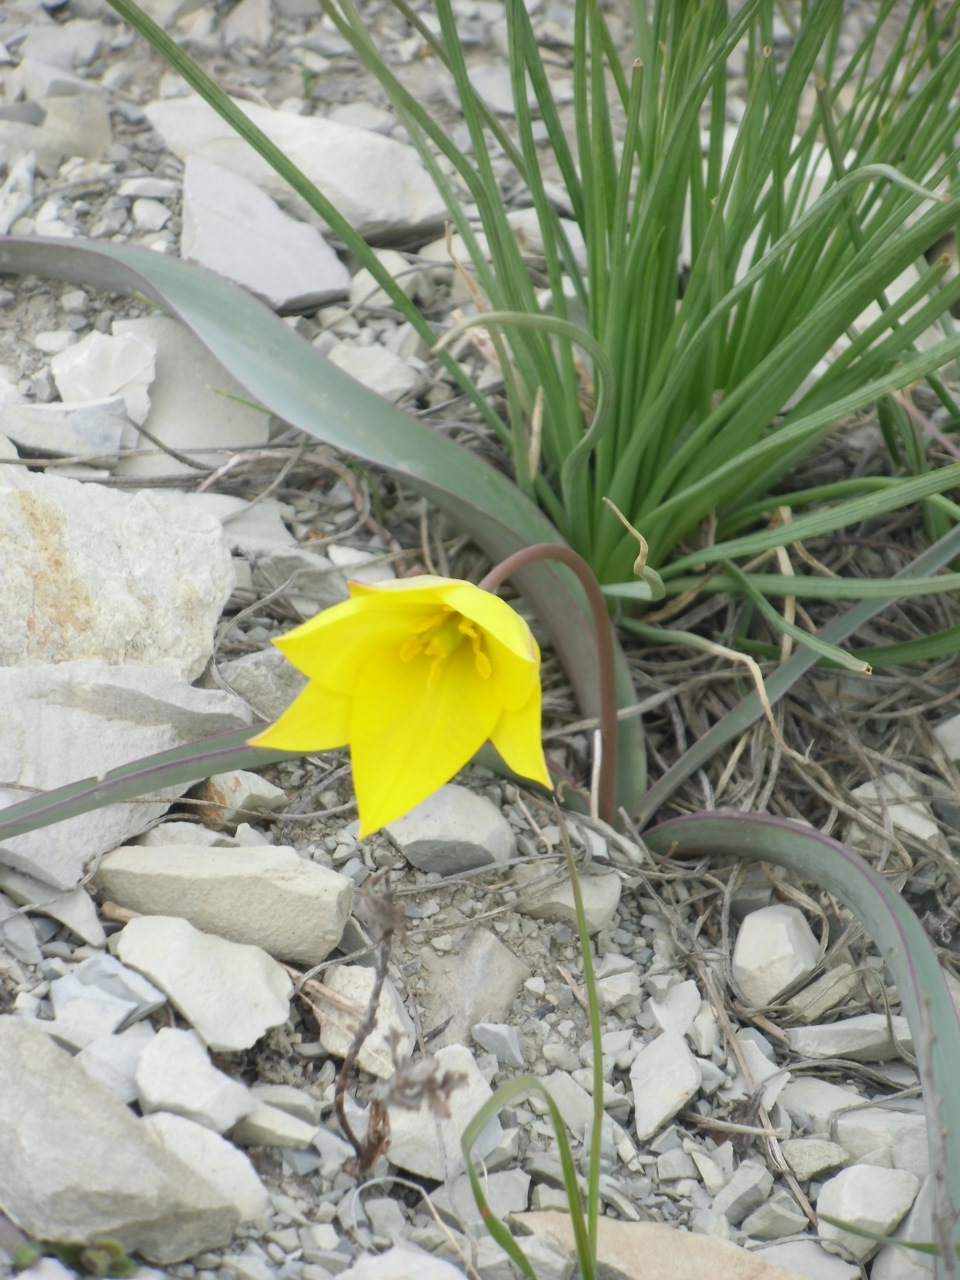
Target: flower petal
x=517, y=737
x=316, y=720
x=332, y=647
x=407, y=740
x=515, y=679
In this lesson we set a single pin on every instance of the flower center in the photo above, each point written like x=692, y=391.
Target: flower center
x=438, y=635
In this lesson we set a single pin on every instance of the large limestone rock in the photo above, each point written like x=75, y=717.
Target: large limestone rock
x=77, y=1164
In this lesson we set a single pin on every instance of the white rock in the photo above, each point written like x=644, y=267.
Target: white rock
x=81, y=1013
x=747, y=1189
x=868, y=1037
x=350, y=987
x=895, y=1263
x=824, y=993
x=775, y=948
x=359, y=566
x=776, y=1217
x=378, y=185
x=762, y=1071
x=149, y=215
x=286, y=1097
x=309, y=580
x=73, y=126
x=377, y=368
x=233, y=228
x=365, y=292
x=453, y=830
x=16, y=193
x=554, y=901
x=809, y=1157
x=100, y=367
x=175, y=1074
x=901, y=1133
x=250, y=22
x=506, y=1191
x=191, y=402
x=664, y=1077
x=808, y=1259
x=18, y=934
x=266, y=681
x=216, y=1161
x=947, y=733
x=429, y=1145
x=811, y=1104
x=905, y=812
x=455, y=998
x=88, y=572
x=500, y=1039
x=573, y=1101
x=864, y=1196
x=77, y=1164
x=239, y=795
x=98, y=717
x=112, y=1059
x=268, y=1126
x=268, y=896
x=401, y=1263
x=230, y=994
x=92, y=430
x=678, y=1007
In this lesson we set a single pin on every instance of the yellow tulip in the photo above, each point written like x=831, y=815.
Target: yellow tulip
x=414, y=676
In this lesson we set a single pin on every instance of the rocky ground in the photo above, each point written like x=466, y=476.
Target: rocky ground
x=178, y=985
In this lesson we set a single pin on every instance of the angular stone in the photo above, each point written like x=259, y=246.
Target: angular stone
x=401, y=1263
x=666, y=1252
x=776, y=1217
x=506, y=1192
x=901, y=1133
x=664, y=1077
x=268, y=1126
x=112, y=1059
x=873, y=1199
x=906, y=812
x=808, y=1260
x=824, y=993
x=73, y=126
x=454, y=997
x=238, y=796
x=427, y=1144
x=377, y=368
x=194, y=403
x=268, y=897
x=868, y=1037
x=500, y=1039
x=746, y=1191
x=229, y=993
x=812, y=1104
x=554, y=901
x=77, y=1164
x=175, y=1074
x=74, y=908
x=94, y=430
x=678, y=1007
x=101, y=367
x=453, y=830
x=775, y=948
x=233, y=228
x=350, y=987
x=379, y=186
x=88, y=572
x=809, y=1157
x=894, y=1262
x=215, y=1160
x=100, y=717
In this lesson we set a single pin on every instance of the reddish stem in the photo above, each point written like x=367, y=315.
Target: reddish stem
x=603, y=629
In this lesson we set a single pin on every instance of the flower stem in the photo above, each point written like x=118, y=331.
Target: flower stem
x=604, y=638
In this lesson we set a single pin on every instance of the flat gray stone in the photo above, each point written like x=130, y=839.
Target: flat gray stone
x=175, y=1074
x=94, y=430
x=902, y=1134
x=73, y=126
x=269, y=1126
x=775, y=949
x=745, y=1192
x=77, y=1164
x=809, y=1157
x=73, y=907
x=102, y=368
x=192, y=403
x=868, y=1197
x=349, y=987
x=233, y=228
x=664, y=1077
x=452, y=994
x=812, y=1104
x=500, y=1039
x=112, y=1059
x=230, y=994
x=554, y=900
x=380, y=186
x=100, y=717
x=269, y=897
x=453, y=830
x=215, y=1160
x=868, y=1037
x=88, y=572
x=428, y=1145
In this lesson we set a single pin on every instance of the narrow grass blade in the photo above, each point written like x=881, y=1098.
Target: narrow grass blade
x=905, y=947
x=779, y=681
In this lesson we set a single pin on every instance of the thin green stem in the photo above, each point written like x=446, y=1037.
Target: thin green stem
x=605, y=641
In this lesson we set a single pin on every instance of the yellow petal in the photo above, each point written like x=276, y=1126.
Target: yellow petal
x=332, y=647
x=517, y=737
x=406, y=740
x=515, y=679
x=316, y=720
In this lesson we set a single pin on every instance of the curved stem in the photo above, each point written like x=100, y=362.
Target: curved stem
x=603, y=635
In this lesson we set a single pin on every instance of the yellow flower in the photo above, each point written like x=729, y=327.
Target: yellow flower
x=414, y=676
